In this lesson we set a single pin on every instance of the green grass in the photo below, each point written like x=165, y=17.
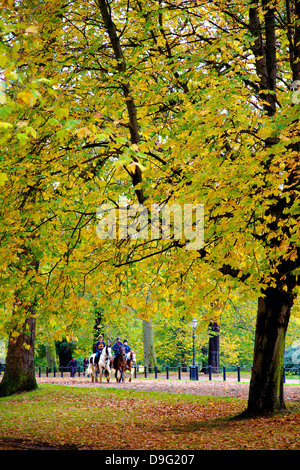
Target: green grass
x=97, y=418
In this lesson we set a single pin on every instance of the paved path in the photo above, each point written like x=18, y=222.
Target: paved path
x=201, y=387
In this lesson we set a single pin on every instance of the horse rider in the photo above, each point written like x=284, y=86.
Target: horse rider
x=127, y=348
x=116, y=350
x=99, y=347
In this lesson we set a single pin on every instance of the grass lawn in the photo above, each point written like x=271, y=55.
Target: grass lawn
x=102, y=419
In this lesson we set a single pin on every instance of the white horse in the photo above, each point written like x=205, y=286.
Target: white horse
x=132, y=356
x=103, y=365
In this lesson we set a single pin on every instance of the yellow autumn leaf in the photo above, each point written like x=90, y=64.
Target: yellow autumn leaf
x=134, y=147
x=83, y=132
x=21, y=124
x=61, y=112
x=3, y=178
x=5, y=125
x=33, y=29
x=2, y=88
x=7, y=3
x=26, y=97
x=14, y=334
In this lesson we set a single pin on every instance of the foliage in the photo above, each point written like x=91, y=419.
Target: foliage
x=237, y=332
x=69, y=104
x=173, y=335
x=127, y=326
x=173, y=342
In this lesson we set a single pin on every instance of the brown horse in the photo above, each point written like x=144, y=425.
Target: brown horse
x=119, y=364
x=130, y=359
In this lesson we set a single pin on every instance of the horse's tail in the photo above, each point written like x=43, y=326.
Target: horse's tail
x=90, y=368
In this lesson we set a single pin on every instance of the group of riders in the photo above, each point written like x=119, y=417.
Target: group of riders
x=100, y=345
x=102, y=361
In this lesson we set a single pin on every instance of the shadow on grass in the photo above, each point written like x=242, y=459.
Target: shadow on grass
x=218, y=423
x=188, y=426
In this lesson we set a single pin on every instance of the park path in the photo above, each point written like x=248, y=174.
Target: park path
x=201, y=387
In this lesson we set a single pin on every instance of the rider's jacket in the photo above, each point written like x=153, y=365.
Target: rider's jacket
x=116, y=348
x=99, y=346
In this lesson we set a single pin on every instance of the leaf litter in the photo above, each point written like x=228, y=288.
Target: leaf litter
x=117, y=416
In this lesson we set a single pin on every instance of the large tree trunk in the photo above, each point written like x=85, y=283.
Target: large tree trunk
x=149, y=350
x=98, y=328
x=65, y=352
x=213, y=347
x=19, y=372
x=51, y=354
x=266, y=386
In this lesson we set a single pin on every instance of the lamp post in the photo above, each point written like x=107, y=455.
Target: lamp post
x=193, y=368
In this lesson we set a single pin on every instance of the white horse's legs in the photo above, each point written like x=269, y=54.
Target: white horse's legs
x=91, y=370
x=95, y=373
x=104, y=368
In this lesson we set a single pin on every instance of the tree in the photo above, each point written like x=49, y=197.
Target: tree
x=51, y=354
x=65, y=352
x=98, y=325
x=42, y=219
x=266, y=388
x=260, y=216
x=149, y=349
x=237, y=331
x=19, y=374
x=213, y=346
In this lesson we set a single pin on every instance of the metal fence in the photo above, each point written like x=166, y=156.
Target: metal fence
x=190, y=372
x=224, y=373
x=141, y=371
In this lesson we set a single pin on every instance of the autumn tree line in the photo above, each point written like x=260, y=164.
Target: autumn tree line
x=228, y=342
x=155, y=103
x=231, y=340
